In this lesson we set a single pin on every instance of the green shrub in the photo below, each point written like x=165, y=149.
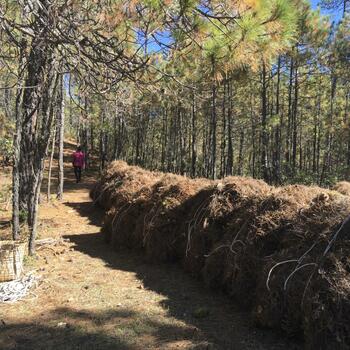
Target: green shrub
x=6, y=149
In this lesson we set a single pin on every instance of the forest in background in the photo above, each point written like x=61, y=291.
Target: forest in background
x=284, y=122
x=205, y=89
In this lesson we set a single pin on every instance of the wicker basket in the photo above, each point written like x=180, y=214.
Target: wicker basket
x=11, y=259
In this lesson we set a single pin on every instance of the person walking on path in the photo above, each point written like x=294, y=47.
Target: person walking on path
x=78, y=163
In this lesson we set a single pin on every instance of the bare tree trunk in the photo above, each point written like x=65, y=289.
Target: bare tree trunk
x=213, y=134
x=165, y=137
x=290, y=88
x=278, y=138
x=41, y=146
x=264, y=136
x=50, y=165
x=316, y=131
x=61, y=110
x=295, y=120
x=229, y=164
x=16, y=157
x=33, y=208
x=37, y=108
x=116, y=134
x=223, y=135
x=240, y=157
x=194, y=138
x=326, y=168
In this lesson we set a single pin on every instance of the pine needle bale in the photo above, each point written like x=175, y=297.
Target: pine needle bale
x=278, y=211
x=107, y=227
x=128, y=182
x=166, y=223
x=196, y=247
x=237, y=275
x=123, y=189
x=223, y=229
x=275, y=215
x=254, y=230
x=342, y=187
x=279, y=240
x=327, y=301
x=119, y=183
x=262, y=245
x=327, y=308
x=291, y=278
x=103, y=190
x=129, y=219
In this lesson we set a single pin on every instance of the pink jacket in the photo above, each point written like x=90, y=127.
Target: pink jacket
x=78, y=159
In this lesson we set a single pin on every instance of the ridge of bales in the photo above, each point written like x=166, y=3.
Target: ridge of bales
x=263, y=245
x=119, y=184
x=342, y=187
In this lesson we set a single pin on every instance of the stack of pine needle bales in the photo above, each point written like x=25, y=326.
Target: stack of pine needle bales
x=283, y=253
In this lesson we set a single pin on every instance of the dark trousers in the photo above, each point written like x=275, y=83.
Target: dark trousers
x=77, y=172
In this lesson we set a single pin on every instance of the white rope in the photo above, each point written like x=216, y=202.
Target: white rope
x=15, y=290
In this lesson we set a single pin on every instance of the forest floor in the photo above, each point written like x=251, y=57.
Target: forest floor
x=90, y=297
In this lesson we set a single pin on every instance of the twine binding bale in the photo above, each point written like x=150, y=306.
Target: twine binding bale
x=11, y=259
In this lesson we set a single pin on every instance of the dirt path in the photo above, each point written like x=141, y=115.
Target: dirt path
x=93, y=298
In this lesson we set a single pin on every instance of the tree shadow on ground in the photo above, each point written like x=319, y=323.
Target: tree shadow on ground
x=223, y=324
x=68, y=329
x=70, y=185
x=87, y=209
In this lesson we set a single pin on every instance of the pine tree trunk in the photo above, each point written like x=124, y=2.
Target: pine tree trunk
x=116, y=131
x=240, y=156
x=102, y=143
x=18, y=203
x=223, y=135
x=315, y=134
x=295, y=121
x=40, y=145
x=194, y=138
x=213, y=135
x=264, y=136
x=288, y=136
x=164, y=138
x=229, y=164
x=326, y=168
x=17, y=155
x=278, y=141
x=61, y=110
x=48, y=195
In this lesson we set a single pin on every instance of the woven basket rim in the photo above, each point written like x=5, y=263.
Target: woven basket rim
x=11, y=259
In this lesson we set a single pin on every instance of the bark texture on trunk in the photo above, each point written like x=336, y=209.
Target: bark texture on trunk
x=60, y=110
